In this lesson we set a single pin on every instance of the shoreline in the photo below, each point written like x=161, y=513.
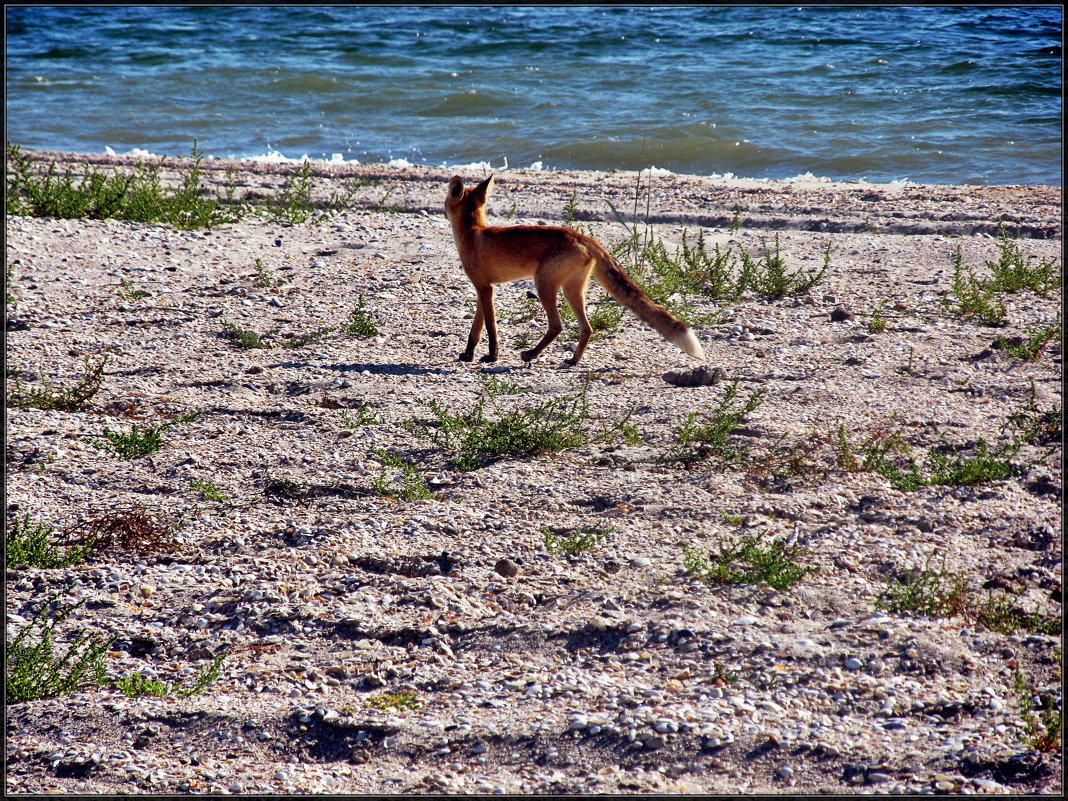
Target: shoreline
x=815, y=204
x=380, y=645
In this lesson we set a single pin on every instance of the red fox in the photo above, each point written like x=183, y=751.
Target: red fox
x=557, y=258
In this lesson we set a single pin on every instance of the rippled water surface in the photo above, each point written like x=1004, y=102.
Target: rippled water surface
x=932, y=95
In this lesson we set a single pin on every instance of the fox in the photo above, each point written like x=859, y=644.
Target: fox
x=558, y=259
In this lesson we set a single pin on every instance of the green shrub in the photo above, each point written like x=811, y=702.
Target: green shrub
x=399, y=701
x=63, y=400
x=1014, y=272
x=587, y=538
x=139, y=442
x=138, y=196
x=699, y=440
x=34, y=671
x=414, y=489
x=360, y=323
x=32, y=545
x=745, y=562
x=476, y=438
x=242, y=338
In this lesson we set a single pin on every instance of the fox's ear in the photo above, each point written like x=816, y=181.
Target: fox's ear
x=456, y=186
x=483, y=189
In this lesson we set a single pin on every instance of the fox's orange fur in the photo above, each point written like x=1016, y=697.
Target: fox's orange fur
x=558, y=259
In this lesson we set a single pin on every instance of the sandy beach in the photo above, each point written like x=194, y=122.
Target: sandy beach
x=380, y=645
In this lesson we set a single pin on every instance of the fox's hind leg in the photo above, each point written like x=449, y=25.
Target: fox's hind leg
x=547, y=288
x=575, y=294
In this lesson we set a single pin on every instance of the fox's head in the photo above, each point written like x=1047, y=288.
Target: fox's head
x=466, y=206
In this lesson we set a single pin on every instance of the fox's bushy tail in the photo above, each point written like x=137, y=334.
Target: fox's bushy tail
x=622, y=287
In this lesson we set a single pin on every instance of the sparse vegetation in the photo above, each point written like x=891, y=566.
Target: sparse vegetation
x=364, y=417
x=399, y=700
x=414, y=487
x=48, y=397
x=476, y=438
x=138, y=684
x=360, y=323
x=1014, y=272
x=35, y=671
x=301, y=340
x=877, y=323
x=32, y=545
x=698, y=440
x=1043, y=727
x=1031, y=344
x=262, y=278
x=292, y=204
x=135, y=529
x=946, y=464
x=943, y=593
x=138, y=442
x=127, y=292
x=581, y=540
x=979, y=300
x=1035, y=426
x=208, y=491
x=745, y=562
x=240, y=337
x=137, y=195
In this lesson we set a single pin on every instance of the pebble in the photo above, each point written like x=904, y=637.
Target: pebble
x=506, y=568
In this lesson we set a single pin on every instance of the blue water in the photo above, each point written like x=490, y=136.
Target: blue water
x=931, y=95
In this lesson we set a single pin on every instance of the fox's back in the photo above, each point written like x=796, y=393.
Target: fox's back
x=531, y=243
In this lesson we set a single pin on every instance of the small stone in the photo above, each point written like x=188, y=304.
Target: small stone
x=785, y=772
x=841, y=314
x=654, y=742
x=641, y=561
x=700, y=376
x=506, y=568
x=853, y=664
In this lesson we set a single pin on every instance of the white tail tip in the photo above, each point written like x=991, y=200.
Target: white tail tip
x=688, y=344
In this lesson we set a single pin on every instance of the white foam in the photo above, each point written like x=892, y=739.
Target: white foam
x=655, y=172
x=137, y=153
x=399, y=163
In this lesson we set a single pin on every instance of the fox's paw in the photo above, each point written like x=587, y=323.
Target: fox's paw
x=527, y=355
x=569, y=362
x=466, y=357
x=489, y=357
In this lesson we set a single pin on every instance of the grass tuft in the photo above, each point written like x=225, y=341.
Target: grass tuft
x=50, y=398
x=34, y=671
x=745, y=562
x=582, y=540
x=698, y=440
x=31, y=545
x=476, y=438
x=414, y=487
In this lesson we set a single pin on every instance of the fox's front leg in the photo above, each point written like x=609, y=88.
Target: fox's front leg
x=474, y=336
x=485, y=303
x=484, y=315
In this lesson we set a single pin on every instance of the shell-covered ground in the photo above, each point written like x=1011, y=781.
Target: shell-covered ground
x=375, y=644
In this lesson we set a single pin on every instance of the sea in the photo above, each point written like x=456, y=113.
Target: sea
x=922, y=94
